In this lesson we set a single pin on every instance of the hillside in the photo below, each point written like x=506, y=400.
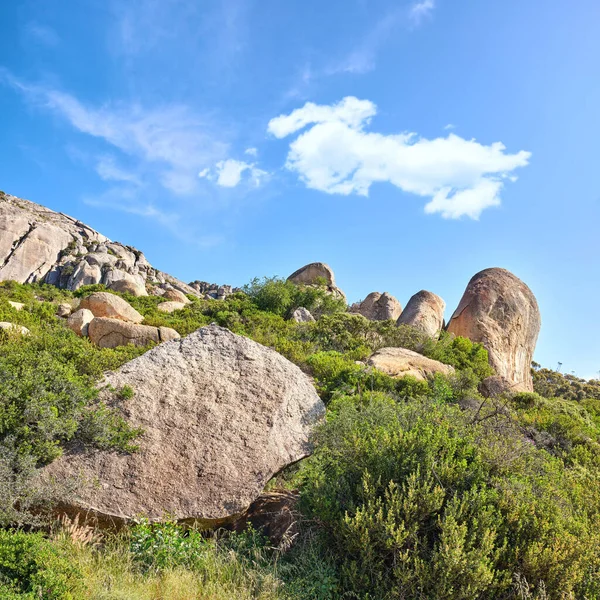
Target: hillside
x=274, y=443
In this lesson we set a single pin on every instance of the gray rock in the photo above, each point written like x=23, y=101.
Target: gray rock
x=378, y=307
x=170, y=306
x=501, y=312
x=13, y=328
x=79, y=321
x=302, y=315
x=173, y=295
x=63, y=310
x=400, y=362
x=129, y=286
x=111, y=333
x=38, y=244
x=425, y=312
x=221, y=415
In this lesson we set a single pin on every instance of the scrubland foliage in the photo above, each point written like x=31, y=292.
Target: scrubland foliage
x=415, y=489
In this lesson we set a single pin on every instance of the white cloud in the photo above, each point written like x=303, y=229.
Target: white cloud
x=108, y=170
x=449, y=126
x=171, y=142
x=421, y=10
x=251, y=152
x=229, y=173
x=42, y=34
x=337, y=156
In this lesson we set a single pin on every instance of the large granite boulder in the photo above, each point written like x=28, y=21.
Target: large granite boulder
x=38, y=244
x=400, y=362
x=79, y=321
x=378, y=307
x=425, y=312
x=501, y=312
x=173, y=295
x=129, y=286
x=317, y=274
x=170, y=306
x=302, y=315
x=220, y=415
x=105, y=304
x=111, y=333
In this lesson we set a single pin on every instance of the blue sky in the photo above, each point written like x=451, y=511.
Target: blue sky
x=409, y=144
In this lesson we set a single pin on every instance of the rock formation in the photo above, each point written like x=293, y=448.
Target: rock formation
x=302, y=315
x=212, y=291
x=170, y=306
x=105, y=304
x=425, y=312
x=500, y=311
x=40, y=245
x=221, y=414
x=79, y=321
x=378, y=307
x=173, y=295
x=400, y=362
x=13, y=328
x=317, y=274
x=110, y=333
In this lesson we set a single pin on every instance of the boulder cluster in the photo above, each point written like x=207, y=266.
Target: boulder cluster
x=222, y=414
x=109, y=321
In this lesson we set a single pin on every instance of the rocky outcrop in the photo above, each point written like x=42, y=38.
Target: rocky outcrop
x=500, y=311
x=317, y=274
x=212, y=291
x=40, y=245
x=425, y=312
x=302, y=315
x=494, y=386
x=79, y=321
x=111, y=333
x=63, y=310
x=400, y=362
x=220, y=416
x=378, y=307
x=105, y=304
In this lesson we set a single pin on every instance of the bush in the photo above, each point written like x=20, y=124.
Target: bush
x=32, y=565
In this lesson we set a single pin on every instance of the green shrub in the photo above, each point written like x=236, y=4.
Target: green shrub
x=32, y=565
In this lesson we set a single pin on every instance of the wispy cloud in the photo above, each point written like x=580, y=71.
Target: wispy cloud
x=335, y=154
x=421, y=10
x=228, y=173
x=42, y=34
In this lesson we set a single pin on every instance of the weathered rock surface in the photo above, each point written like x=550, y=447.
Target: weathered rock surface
x=302, y=315
x=425, y=312
x=378, y=307
x=501, y=312
x=16, y=305
x=399, y=362
x=110, y=333
x=494, y=386
x=127, y=286
x=38, y=244
x=79, y=321
x=213, y=291
x=63, y=310
x=169, y=307
x=105, y=304
x=221, y=415
x=173, y=295
x=13, y=328
x=317, y=274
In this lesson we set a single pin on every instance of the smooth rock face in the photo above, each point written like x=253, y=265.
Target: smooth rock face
x=378, y=307
x=13, y=328
x=316, y=274
x=104, y=304
x=399, y=362
x=79, y=321
x=127, y=286
x=174, y=295
x=425, y=312
x=221, y=415
x=501, y=312
x=169, y=307
x=110, y=333
x=38, y=244
x=302, y=315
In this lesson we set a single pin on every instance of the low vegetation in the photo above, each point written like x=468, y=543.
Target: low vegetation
x=415, y=489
